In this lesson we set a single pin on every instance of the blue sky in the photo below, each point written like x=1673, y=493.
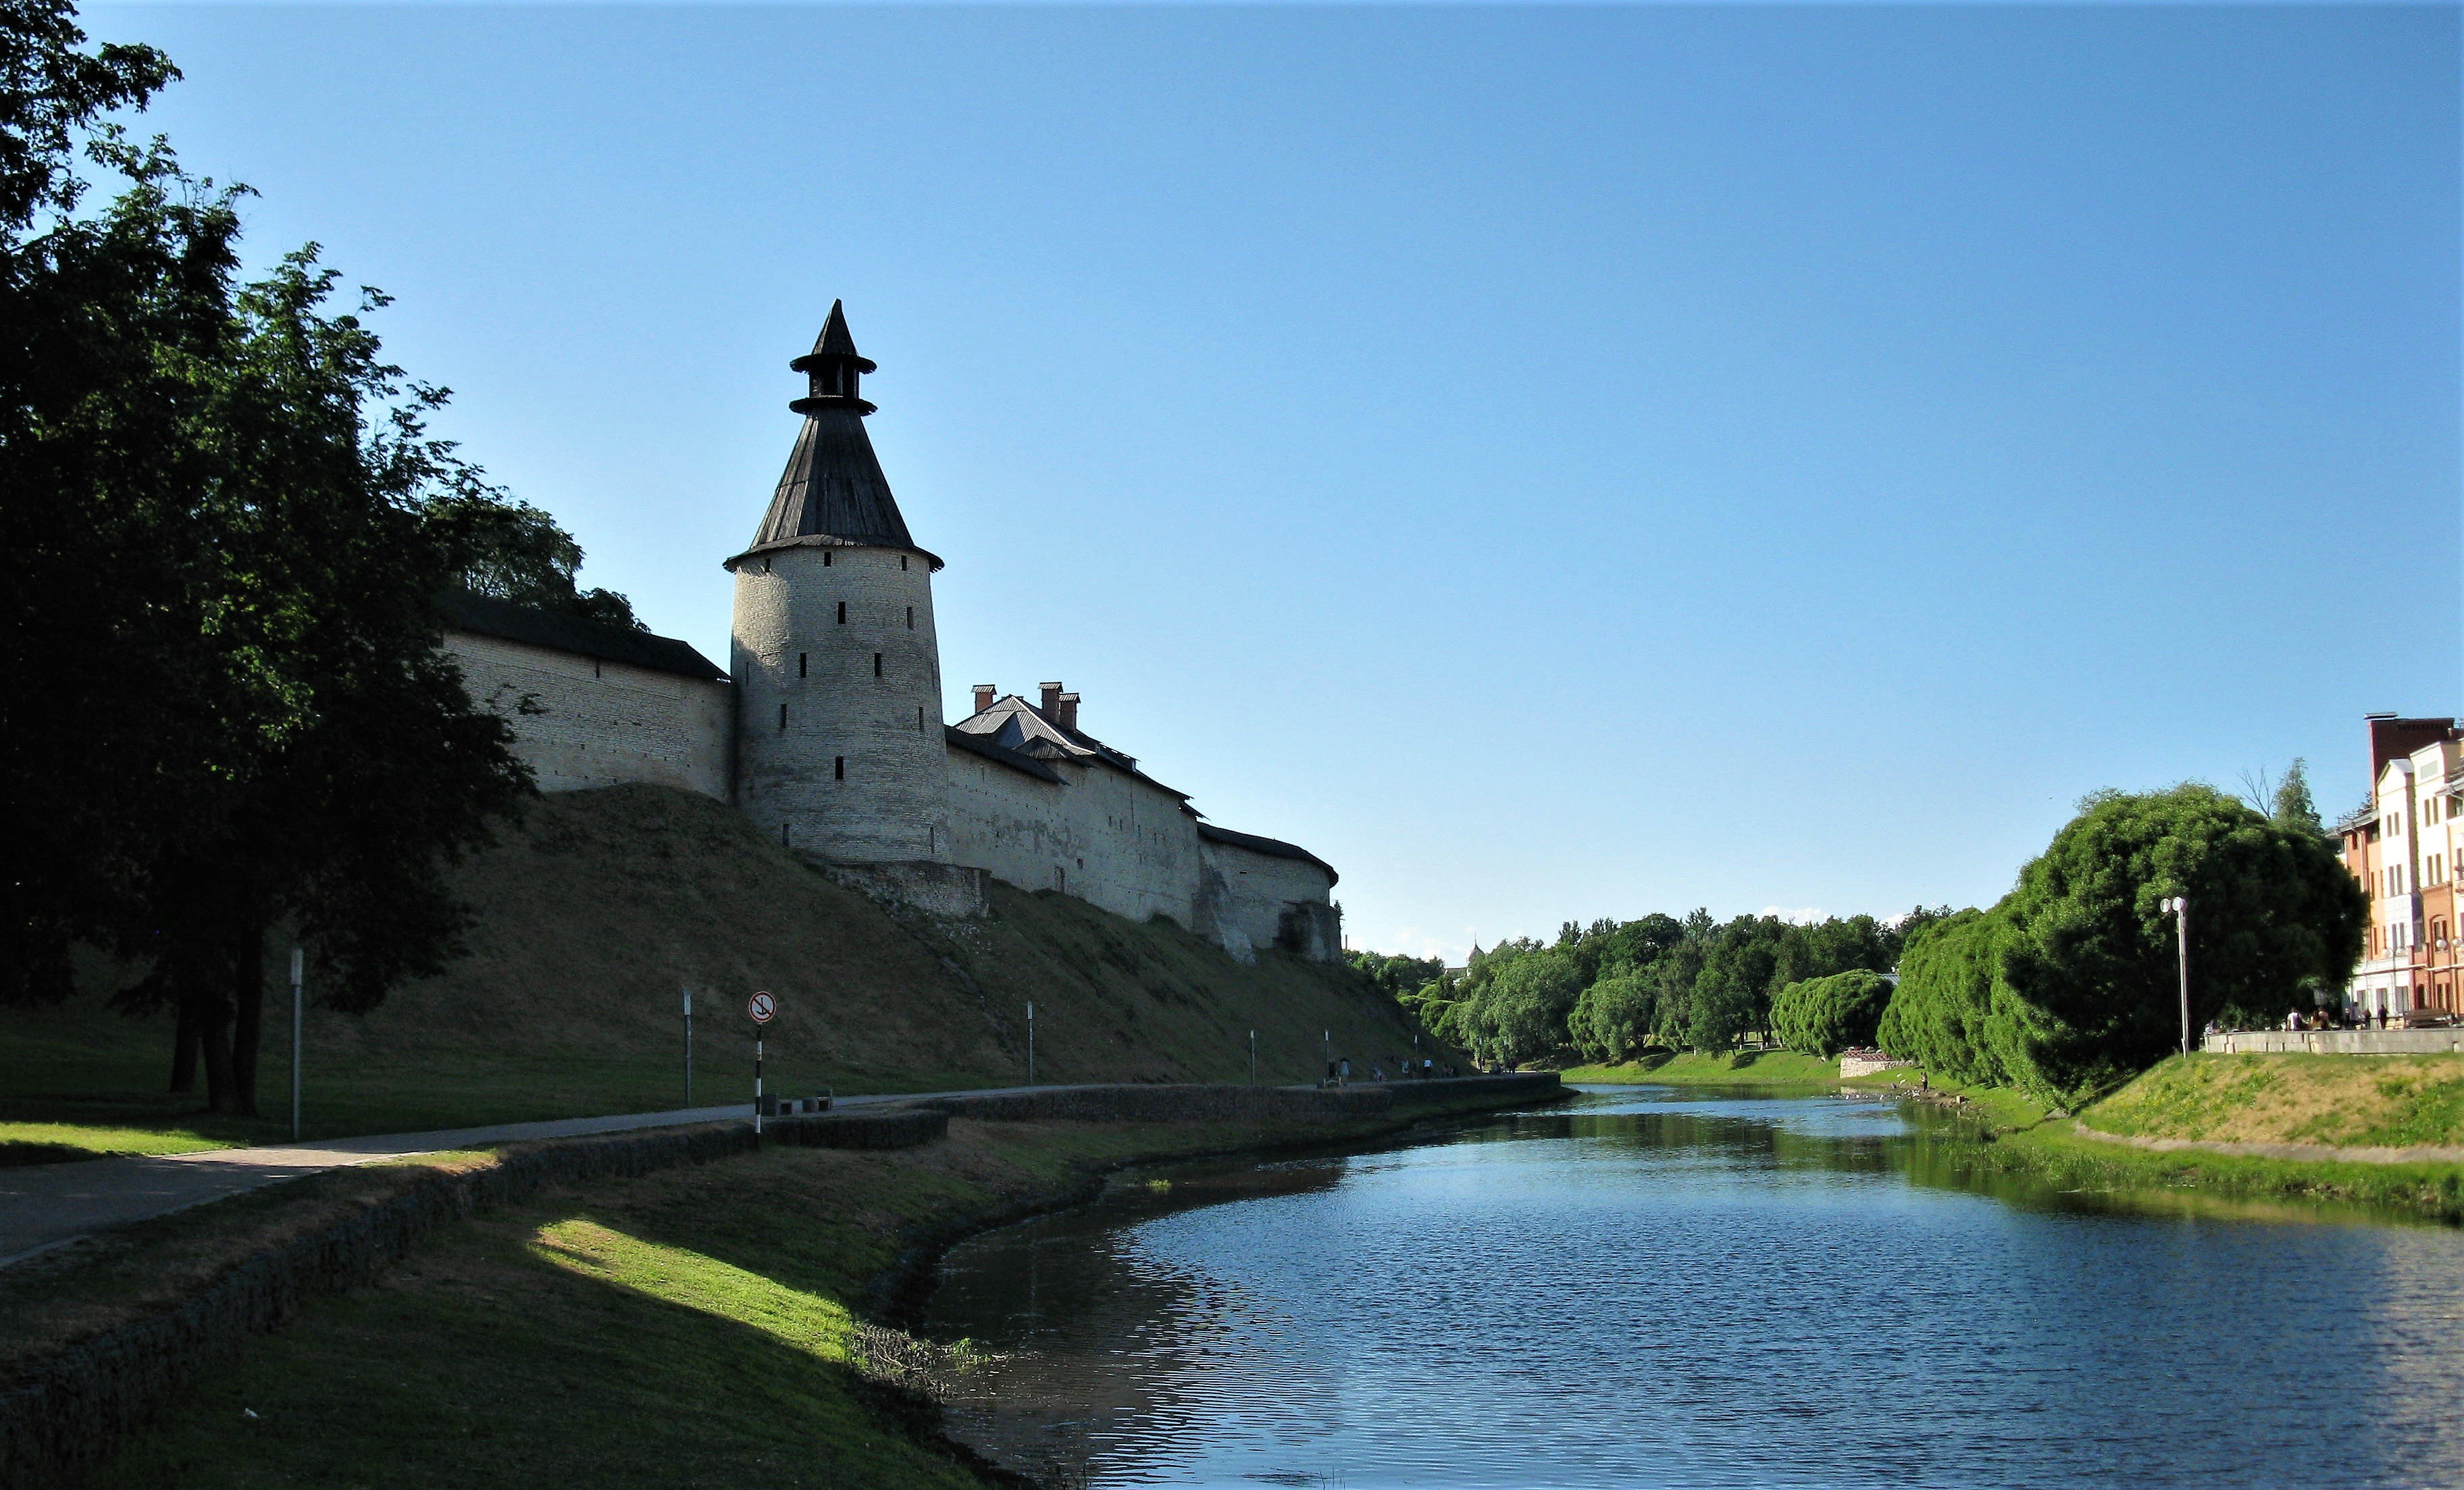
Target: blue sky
x=1552, y=462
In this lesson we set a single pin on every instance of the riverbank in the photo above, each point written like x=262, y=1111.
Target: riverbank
x=2092, y=1151
x=732, y=1322
x=1692, y=1068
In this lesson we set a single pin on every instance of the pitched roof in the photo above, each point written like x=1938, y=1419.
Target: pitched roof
x=1272, y=848
x=479, y=614
x=994, y=750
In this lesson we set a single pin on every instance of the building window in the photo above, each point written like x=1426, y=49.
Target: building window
x=782, y=719
x=910, y=618
x=838, y=768
x=876, y=665
x=919, y=718
x=783, y=835
x=803, y=665
x=826, y=558
x=902, y=560
x=841, y=613
x=766, y=563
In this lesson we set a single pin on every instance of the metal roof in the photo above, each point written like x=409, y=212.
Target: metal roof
x=832, y=491
x=994, y=750
x=484, y=616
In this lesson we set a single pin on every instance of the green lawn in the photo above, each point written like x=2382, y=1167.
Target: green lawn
x=1690, y=1068
x=696, y=1326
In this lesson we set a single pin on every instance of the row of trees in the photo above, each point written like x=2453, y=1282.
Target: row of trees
x=225, y=528
x=1613, y=988
x=2065, y=987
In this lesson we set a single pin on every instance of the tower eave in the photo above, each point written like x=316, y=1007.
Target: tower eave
x=932, y=561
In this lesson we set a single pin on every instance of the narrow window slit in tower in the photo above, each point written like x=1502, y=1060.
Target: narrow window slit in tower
x=826, y=558
x=876, y=665
x=782, y=719
x=841, y=613
x=919, y=718
x=902, y=560
x=910, y=618
x=838, y=767
x=783, y=835
x=803, y=665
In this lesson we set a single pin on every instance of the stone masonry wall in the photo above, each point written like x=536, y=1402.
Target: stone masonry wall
x=1100, y=834
x=604, y=722
x=1251, y=900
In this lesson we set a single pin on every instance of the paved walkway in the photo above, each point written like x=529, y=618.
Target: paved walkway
x=2426, y=1154
x=43, y=1206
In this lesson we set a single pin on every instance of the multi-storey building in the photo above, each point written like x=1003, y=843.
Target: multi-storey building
x=2402, y=847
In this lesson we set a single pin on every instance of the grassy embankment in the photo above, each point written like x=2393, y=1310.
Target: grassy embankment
x=600, y=906
x=1693, y=1068
x=2349, y=1102
x=708, y=1326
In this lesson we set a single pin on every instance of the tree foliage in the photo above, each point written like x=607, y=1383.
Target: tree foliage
x=225, y=528
x=1824, y=1016
x=2070, y=985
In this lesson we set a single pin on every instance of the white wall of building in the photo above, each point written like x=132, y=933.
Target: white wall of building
x=601, y=723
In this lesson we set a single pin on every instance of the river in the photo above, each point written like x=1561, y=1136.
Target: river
x=1651, y=1286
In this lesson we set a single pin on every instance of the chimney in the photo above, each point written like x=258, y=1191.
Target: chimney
x=984, y=692
x=1069, y=710
x=1051, y=700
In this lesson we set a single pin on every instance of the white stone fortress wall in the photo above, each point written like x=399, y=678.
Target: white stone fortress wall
x=599, y=722
x=1099, y=834
x=837, y=678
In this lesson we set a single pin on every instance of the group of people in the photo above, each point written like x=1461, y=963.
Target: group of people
x=1338, y=1071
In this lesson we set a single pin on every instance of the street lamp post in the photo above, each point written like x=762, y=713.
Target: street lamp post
x=2179, y=908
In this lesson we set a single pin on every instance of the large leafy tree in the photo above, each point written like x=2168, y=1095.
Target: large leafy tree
x=2090, y=967
x=227, y=526
x=2071, y=983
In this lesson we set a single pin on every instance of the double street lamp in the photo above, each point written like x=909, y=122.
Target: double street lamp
x=2178, y=906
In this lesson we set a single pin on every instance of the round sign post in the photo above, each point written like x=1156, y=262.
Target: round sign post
x=761, y=1006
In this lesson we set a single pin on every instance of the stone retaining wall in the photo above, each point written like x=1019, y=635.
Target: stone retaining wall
x=68, y=1410
x=1206, y=1104
x=2336, y=1043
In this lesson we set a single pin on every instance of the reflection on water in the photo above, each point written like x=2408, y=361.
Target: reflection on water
x=1671, y=1289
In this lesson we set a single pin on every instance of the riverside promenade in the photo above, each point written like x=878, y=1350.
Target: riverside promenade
x=50, y=1205
x=43, y=1206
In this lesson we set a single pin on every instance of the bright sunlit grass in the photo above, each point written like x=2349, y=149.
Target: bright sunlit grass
x=818, y=1326
x=48, y=1142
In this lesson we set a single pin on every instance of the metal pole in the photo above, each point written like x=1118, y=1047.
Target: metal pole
x=1030, y=1042
x=1253, y=1057
x=688, y=1047
x=299, y=969
x=2182, y=937
x=757, y=1082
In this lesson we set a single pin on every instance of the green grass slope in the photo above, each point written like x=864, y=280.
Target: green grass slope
x=1693, y=1068
x=599, y=908
x=2395, y=1102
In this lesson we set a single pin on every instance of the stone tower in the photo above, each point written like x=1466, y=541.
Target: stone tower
x=840, y=750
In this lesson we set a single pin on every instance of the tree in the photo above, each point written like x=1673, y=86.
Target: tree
x=224, y=537
x=2069, y=985
x=1825, y=1016
x=2091, y=962
x=1613, y=1019
x=2292, y=807
x=511, y=551
x=1939, y=1014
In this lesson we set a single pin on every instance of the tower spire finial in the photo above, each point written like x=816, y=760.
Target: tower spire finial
x=833, y=367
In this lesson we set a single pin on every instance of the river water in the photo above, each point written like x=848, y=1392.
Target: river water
x=1649, y=1286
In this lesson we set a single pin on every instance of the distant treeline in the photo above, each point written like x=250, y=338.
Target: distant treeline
x=1614, y=988
x=2065, y=987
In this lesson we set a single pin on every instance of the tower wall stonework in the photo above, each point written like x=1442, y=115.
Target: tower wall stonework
x=839, y=755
